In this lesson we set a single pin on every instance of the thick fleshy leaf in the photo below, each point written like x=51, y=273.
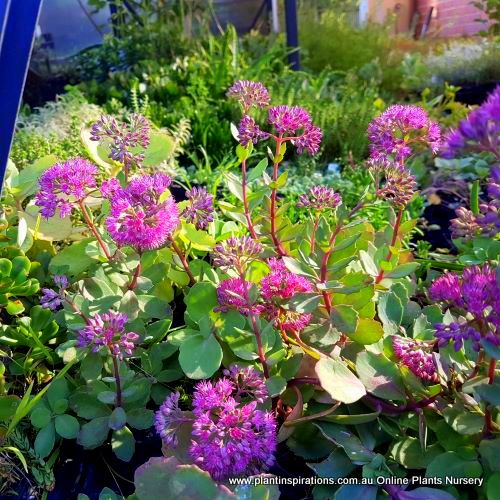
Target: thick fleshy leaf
x=339, y=381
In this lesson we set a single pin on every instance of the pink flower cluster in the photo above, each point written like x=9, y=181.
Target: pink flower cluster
x=320, y=198
x=123, y=137
x=291, y=123
x=200, y=209
x=230, y=436
x=108, y=330
x=249, y=93
x=276, y=289
x=138, y=216
x=398, y=129
x=416, y=356
x=64, y=184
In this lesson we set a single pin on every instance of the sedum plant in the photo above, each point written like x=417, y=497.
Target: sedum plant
x=253, y=331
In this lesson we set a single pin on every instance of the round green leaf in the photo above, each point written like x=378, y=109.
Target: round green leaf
x=94, y=433
x=201, y=300
x=40, y=417
x=368, y=331
x=60, y=406
x=200, y=357
x=67, y=426
x=117, y=419
x=451, y=464
x=123, y=444
x=44, y=442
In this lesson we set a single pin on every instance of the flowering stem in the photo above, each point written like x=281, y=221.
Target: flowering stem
x=117, y=381
x=488, y=420
x=260, y=348
x=326, y=257
x=258, y=337
x=245, y=199
x=137, y=273
x=395, y=233
x=313, y=235
x=184, y=261
x=92, y=227
x=274, y=237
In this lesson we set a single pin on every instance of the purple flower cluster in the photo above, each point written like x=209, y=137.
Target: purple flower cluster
x=169, y=418
x=200, y=209
x=480, y=131
x=320, y=198
x=236, y=252
x=51, y=299
x=291, y=123
x=138, y=216
x=398, y=129
x=108, y=330
x=123, y=138
x=295, y=121
x=64, y=184
x=234, y=294
x=399, y=185
x=249, y=93
x=414, y=354
x=487, y=223
x=457, y=333
x=230, y=436
x=248, y=382
x=476, y=292
x=278, y=286
x=250, y=132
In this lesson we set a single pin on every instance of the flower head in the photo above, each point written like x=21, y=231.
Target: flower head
x=248, y=382
x=249, y=93
x=320, y=198
x=399, y=187
x=249, y=131
x=465, y=225
x=277, y=287
x=236, y=252
x=200, y=210
x=52, y=299
x=108, y=330
x=235, y=294
x=139, y=217
x=230, y=438
x=414, y=354
x=123, y=137
x=398, y=128
x=169, y=418
x=64, y=184
x=480, y=131
x=457, y=333
x=309, y=141
x=289, y=120
x=477, y=293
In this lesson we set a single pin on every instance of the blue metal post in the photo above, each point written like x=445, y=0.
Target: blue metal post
x=18, y=20
x=292, y=33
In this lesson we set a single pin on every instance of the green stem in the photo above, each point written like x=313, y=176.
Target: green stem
x=117, y=381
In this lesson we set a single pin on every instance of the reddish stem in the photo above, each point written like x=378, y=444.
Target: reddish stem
x=135, y=277
x=245, y=200
x=395, y=233
x=326, y=256
x=274, y=237
x=255, y=327
x=92, y=227
x=488, y=420
x=184, y=262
